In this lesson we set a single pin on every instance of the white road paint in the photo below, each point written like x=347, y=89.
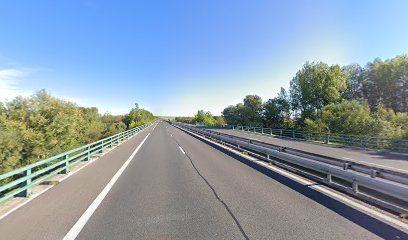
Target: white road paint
x=182, y=150
x=35, y=195
x=377, y=165
x=356, y=161
x=328, y=192
x=79, y=225
x=32, y=197
x=337, y=196
x=382, y=166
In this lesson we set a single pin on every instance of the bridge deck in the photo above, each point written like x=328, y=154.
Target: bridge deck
x=391, y=160
x=178, y=187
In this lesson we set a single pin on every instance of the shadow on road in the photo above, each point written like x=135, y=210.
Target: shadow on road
x=373, y=225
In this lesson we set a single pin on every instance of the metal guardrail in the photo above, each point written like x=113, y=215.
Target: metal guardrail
x=364, y=142
x=20, y=181
x=365, y=168
x=390, y=190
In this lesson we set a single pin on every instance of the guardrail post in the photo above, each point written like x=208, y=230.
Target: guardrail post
x=66, y=164
x=262, y=131
x=281, y=132
x=102, y=147
x=327, y=138
x=27, y=182
x=329, y=177
x=355, y=187
x=88, y=153
x=373, y=173
x=346, y=166
x=293, y=134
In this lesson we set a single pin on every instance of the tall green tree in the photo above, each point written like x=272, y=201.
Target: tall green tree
x=40, y=126
x=252, y=110
x=277, y=111
x=388, y=81
x=235, y=115
x=137, y=117
x=316, y=85
x=355, y=83
x=346, y=117
x=204, y=118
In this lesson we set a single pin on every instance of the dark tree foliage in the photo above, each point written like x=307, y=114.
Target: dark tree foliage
x=249, y=113
x=277, y=111
x=351, y=100
x=40, y=126
x=202, y=117
x=137, y=117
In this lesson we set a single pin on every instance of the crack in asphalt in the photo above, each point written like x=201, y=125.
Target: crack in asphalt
x=216, y=195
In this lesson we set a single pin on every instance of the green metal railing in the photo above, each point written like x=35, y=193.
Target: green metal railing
x=19, y=182
x=364, y=142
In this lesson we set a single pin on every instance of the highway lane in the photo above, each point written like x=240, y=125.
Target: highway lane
x=52, y=214
x=178, y=187
x=393, y=160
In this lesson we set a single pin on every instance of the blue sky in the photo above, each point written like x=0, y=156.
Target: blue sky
x=174, y=57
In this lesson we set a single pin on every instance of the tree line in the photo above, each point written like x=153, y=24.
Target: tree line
x=355, y=100
x=40, y=126
x=202, y=117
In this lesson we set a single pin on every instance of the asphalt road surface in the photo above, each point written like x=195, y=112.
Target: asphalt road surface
x=393, y=160
x=179, y=187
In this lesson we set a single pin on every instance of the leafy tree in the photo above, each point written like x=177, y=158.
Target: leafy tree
x=204, y=118
x=40, y=126
x=137, y=117
x=355, y=80
x=315, y=86
x=113, y=124
x=346, y=117
x=219, y=120
x=249, y=113
x=387, y=80
x=277, y=111
x=184, y=119
x=252, y=110
x=232, y=114
x=389, y=123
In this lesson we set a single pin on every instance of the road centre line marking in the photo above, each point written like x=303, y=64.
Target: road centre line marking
x=327, y=192
x=79, y=225
x=182, y=150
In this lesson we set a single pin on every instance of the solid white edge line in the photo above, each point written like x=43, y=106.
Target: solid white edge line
x=33, y=196
x=321, y=189
x=182, y=150
x=337, y=196
x=78, y=226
